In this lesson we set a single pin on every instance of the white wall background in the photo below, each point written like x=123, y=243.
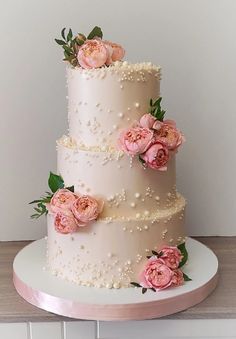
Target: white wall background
x=193, y=40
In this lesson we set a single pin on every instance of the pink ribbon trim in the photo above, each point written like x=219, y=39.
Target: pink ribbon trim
x=138, y=311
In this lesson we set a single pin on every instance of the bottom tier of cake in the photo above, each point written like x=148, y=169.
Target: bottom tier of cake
x=111, y=252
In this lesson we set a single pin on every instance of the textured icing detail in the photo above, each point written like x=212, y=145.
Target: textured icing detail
x=113, y=175
x=121, y=67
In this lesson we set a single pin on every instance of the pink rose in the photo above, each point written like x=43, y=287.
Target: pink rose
x=86, y=208
x=168, y=134
x=171, y=256
x=116, y=52
x=135, y=140
x=61, y=200
x=178, y=278
x=156, y=274
x=65, y=222
x=156, y=157
x=92, y=54
x=147, y=120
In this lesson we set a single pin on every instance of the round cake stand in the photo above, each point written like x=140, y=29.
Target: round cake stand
x=42, y=289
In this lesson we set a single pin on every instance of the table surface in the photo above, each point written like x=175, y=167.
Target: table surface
x=221, y=304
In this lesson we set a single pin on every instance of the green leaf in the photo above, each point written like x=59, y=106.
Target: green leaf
x=184, y=253
x=144, y=290
x=63, y=33
x=55, y=182
x=96, y=32
x=135, y=284
x=154, y=253
x=47, y=199
x=68, y=50
x=69, y=35
x=34, y=202
x=71, y=188
x=149, y=256
x=186, y=278
x=35, y=216
x=156, y=110
x=160, y=254
x=60, y=42
x=141, y=160
x=153, y=289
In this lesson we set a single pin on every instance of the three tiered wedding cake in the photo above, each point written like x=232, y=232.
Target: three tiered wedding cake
x=115, y=218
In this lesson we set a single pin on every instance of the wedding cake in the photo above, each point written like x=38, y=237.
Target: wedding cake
x=115, y=218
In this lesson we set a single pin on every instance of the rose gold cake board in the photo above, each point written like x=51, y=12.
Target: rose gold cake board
x=42, y=289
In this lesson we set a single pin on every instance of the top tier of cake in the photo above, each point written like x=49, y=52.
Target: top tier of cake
x=103, y=101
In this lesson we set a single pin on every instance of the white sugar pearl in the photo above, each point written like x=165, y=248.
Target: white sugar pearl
x=109, y=285
x=116, y=285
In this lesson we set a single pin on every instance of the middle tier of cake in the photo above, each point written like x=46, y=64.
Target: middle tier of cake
x=125, y=186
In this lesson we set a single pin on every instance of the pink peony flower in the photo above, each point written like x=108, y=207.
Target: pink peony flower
x=86, y=208
x=135, y=140
x=156, y=157
x=171, y=256
x=61, y=200
x=168, y=134
x=92, y=54
x=156, y=274
x=65, y=222
x=178, y=278
x=116, y=52
x=147, y=120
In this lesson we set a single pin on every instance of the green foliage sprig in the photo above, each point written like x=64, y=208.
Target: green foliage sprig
x=159, y=254
x=55, y=182
x=144, y=289
x=71, y=44
x=184, y=252
x=156, y=110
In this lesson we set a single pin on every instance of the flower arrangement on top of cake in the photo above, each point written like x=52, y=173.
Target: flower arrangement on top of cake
x=152, y=138
x=91, y=51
